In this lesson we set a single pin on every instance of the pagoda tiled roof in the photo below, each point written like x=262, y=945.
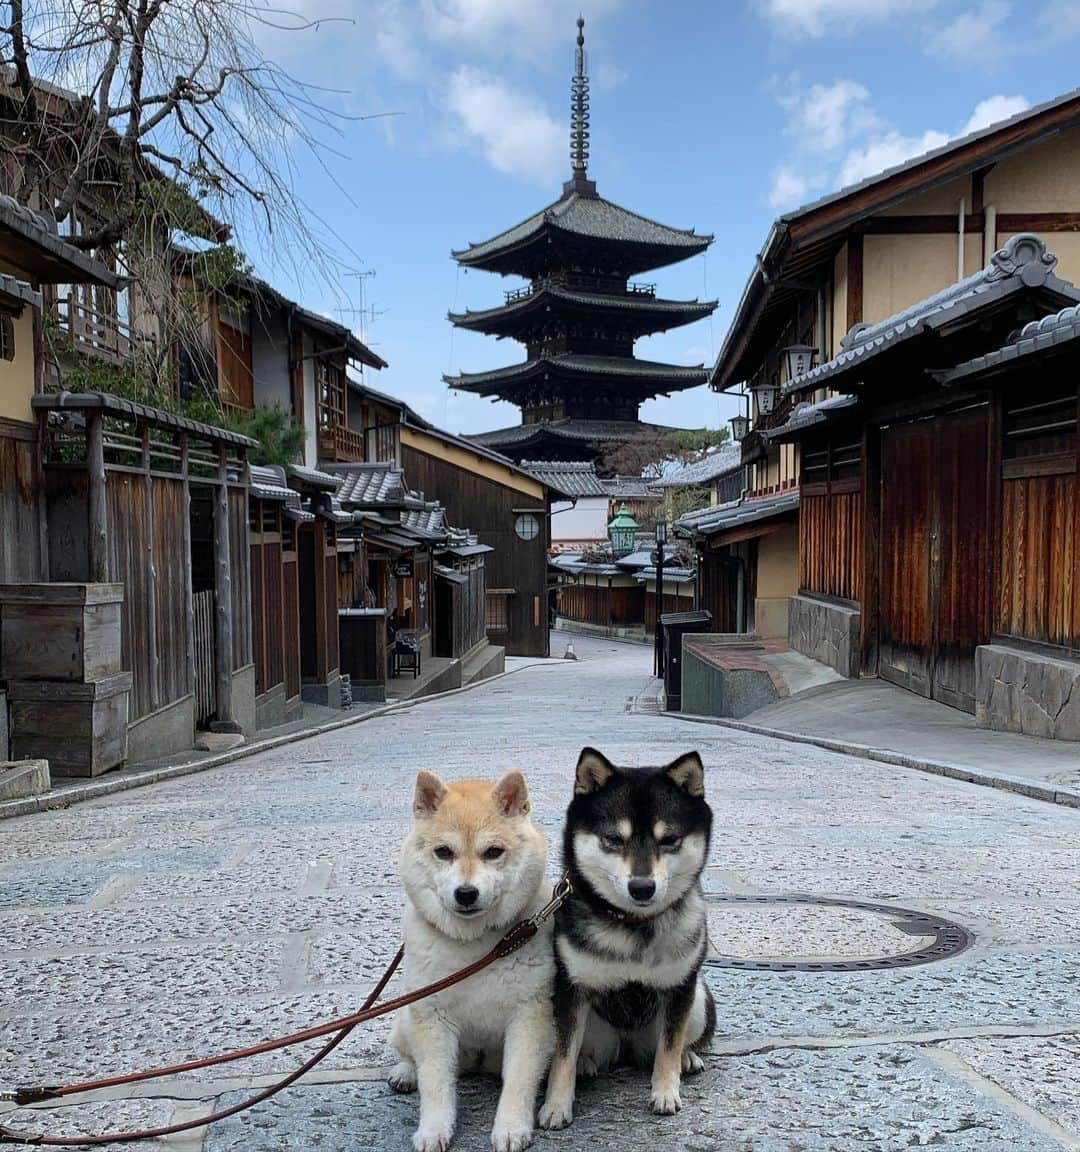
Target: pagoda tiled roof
x=675, y=312
x=591, y=217
x=575, y=364
x=573, y=431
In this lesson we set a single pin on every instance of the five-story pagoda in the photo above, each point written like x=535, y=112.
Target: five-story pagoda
x=580, y=386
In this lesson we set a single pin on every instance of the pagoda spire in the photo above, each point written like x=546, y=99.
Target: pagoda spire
x=579, y=181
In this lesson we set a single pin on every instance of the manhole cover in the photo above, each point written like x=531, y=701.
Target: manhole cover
x=819, y=934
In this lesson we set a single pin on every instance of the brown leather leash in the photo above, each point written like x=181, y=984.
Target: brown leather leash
x=516, y=938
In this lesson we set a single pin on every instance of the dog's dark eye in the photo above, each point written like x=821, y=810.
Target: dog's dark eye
x=444, y=853
x=613, y=843
x=671, y=843
x=494, y=852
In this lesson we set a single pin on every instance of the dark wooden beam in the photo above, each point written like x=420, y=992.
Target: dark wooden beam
x=868, y=593
x=98, y=512
x=223, y=633
x=1038, y=222
x=189, y=590
x=854, y=281
x=978, y=188
x=151, y=572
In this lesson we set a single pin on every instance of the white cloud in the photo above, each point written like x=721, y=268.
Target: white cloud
x=830, y=114
x=994, y=109
x=790, y=188
x=840, y=139
x=829, y=17
x=1061, y=18
x=514, y=134
x=974, y=35
x=508, y=27
x=885, y=152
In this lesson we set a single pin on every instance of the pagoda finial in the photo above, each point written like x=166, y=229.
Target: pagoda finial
x=579, y=109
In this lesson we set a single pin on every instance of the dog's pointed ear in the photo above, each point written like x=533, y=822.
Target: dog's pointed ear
x=512, y=795
x=688, y=773
x=429, y=794
x=594, y=770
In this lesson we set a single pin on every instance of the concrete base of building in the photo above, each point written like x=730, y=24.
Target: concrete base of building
x=328, y=694
x=271, y=708
x=243, y=699
x=22, y=778
x=483, y=662
x=723, y=674
x=1022, y=690
x=827, y=632
x=5, y=737
x=165, y=732
x=771, y=617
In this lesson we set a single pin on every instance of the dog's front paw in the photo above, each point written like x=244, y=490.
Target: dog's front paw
x=402, y=1076
x=692, y=1063
x=556, y=1113
x=511, y=1137
x=433, y=1139
x=666, y=1101
x=587, y=1067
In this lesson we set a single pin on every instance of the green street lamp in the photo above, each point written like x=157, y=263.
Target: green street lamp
x=623, y=531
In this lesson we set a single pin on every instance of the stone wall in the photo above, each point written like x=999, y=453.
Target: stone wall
x=826, y=632
x=1023, y=691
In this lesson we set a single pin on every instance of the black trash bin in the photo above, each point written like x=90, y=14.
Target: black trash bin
x=676, y=625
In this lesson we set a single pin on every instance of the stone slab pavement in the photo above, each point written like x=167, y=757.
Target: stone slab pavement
x=252, y=899
x=871, y=717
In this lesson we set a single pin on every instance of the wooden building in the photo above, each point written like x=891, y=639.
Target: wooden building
x=158, y=504
x=580, y=386
x=505, y=506
x=857, y=257
x=939, y=516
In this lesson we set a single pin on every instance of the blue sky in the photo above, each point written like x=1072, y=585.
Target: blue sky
x=712, y=115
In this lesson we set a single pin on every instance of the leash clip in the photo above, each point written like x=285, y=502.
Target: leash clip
x=562, y=892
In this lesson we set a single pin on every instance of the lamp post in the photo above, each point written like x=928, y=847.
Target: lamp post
x=658, y=638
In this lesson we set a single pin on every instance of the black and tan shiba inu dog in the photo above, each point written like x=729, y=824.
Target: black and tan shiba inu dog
x=630, y=941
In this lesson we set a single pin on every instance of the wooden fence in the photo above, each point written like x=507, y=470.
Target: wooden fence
x=205, y=670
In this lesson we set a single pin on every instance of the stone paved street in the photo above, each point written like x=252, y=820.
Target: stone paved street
x=225, y=907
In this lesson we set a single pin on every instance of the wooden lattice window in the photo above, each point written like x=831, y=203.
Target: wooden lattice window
x=498, y=609
x=7, y=337
x=330, y=388
x=1040, y=430
x=831, y=465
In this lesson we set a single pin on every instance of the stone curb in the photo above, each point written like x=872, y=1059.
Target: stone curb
x=95, y=789
x=1036, y=790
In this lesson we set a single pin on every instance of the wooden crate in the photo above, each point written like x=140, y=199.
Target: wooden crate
x=60, y=632
x=81, y=729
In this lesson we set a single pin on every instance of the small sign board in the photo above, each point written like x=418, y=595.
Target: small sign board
x=403, y=568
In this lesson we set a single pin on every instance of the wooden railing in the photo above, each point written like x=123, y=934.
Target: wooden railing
x=93, y=331
x=377, y=445
x=608, y=285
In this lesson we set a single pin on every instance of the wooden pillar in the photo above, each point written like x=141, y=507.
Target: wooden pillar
x=223, y=596
x=42, y=495
x=151, y=574
x=189, y=589
x=98, y=509
x=854, y=280
x=869, y=592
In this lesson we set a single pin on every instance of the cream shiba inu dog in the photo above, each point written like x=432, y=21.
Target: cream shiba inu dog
x=473, y=866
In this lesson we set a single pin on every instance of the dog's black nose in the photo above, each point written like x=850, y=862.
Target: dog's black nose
x=641, y=888
x=466, y=895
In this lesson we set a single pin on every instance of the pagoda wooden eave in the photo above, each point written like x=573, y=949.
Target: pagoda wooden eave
x=640, y=311
x=606, y=373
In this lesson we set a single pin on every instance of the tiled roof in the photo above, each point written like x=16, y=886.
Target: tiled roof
x=1040, y=335
x=630, y=302
x=644, y=557
x=566, y=478
x=727, y=458
x=1023, y=262
x=722, y=517
x=807, y=415
x=576, y=431
x=429, y=521
x=630, y=488
x=577, y=365
x=20, y=290
x=27, y=232
x=369, y=484
x=591, y=216
x=268, y=482
x=314, y=476
x=675, y=575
